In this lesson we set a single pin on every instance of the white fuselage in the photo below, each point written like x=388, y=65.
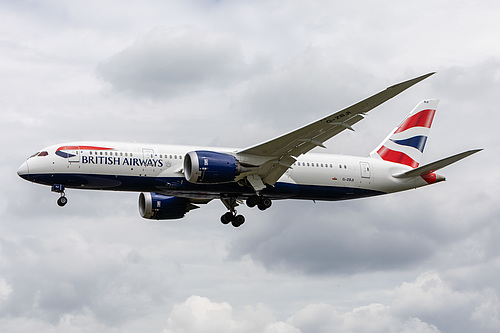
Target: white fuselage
x=159, y=168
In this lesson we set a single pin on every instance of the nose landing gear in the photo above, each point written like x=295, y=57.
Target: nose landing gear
x=58, y=188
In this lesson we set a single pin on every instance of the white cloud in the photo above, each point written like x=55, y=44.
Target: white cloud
x=433, y=299
x=429, y=295
x=370, y=318
x=487, y=314
x=5, y=290
x=428, y=304
x=198, y=314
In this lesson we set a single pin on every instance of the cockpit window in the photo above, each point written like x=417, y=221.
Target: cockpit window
x=40, y=153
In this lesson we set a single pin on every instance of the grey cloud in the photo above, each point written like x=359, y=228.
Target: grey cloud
x=302, y=90
x=348, y=238
x=427, y=304
x=67, y=274
x=165, y=63
x=97, y=266
x=396, y=232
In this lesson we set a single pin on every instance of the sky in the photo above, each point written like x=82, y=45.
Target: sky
x=233, y=74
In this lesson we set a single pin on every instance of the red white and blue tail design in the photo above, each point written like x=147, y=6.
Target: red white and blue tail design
x=406, y=143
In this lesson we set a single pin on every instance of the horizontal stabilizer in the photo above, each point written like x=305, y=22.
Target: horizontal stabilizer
x=434, y=166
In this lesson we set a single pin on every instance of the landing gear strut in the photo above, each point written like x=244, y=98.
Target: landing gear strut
x=62, y=201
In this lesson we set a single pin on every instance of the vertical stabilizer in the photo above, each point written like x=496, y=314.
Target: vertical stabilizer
x=406, y=143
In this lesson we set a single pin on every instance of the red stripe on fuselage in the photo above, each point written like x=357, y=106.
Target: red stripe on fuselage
x=422, y=119
x=83, y=148
x=396, y=157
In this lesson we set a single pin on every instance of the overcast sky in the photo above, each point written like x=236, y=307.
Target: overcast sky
x=235, y=73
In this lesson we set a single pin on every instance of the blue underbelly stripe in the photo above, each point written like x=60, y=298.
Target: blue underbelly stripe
x=173, y=185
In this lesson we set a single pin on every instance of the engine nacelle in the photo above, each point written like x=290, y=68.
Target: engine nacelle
x=210, y=167
x=160, y=207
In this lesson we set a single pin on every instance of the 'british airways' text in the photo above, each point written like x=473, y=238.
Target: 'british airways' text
x=111, y=160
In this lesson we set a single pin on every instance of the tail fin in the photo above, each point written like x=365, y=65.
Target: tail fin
x=406, y=143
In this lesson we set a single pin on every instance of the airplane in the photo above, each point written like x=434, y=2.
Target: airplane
x=173, y=180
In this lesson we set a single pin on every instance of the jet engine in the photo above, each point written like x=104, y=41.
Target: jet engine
x=160, y=207
x=210, y=167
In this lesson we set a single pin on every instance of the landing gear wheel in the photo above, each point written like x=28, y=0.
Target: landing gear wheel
x=62, y=201
x=253, y=201
x=264, y=203
x=226, y=218
x=238, y=221
x=259, y=201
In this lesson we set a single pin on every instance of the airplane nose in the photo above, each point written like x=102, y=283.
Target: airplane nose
x=24, y=171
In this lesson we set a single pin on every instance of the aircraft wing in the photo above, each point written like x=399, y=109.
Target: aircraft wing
x=270, y=160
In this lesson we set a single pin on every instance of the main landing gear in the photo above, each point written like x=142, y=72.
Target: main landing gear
x=232, y=216
x=231, y=203
x=261, y=202
x=62, y=201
